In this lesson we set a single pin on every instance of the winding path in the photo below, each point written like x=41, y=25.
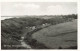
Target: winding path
x=23, y=44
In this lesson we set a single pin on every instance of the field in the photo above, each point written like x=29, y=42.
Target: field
x=62, y=35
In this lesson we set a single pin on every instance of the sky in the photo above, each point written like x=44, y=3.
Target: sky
x=38, y=8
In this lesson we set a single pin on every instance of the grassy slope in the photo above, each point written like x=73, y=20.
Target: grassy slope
x=64, y=35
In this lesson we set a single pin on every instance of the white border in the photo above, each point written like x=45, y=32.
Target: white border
x=39, y=0
x=45, y=1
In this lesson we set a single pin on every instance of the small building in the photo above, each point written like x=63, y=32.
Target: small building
x=22, y=37
x=43, y=24
x=34, y=27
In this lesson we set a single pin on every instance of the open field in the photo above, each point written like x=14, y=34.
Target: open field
x=62, y=35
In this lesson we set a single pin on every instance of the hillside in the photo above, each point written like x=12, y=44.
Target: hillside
x=62, y=35
x=14, y=28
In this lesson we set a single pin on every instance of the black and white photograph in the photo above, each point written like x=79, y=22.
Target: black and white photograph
x=39, y=25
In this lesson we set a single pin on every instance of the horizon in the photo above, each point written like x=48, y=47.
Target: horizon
x=8, y=17
x=37, y=15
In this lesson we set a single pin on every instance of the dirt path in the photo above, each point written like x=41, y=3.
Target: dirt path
x=25, y=31
x=23, y=44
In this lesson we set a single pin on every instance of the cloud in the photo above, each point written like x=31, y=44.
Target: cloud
x=20, y=9
x=32, y=6
x=27, y=6
x=60, y=9
x=17, y=8
x=57, y=9
x=27, y=9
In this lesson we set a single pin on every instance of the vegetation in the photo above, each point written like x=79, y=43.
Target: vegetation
x=12, y=29
x=58, y=36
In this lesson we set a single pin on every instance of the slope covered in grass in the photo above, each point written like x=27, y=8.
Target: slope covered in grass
x=14, y=28
x=62, y=35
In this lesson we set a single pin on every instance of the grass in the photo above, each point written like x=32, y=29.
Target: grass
x=56, y=35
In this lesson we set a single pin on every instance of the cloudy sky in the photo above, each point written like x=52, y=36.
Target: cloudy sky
x=38, y=8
